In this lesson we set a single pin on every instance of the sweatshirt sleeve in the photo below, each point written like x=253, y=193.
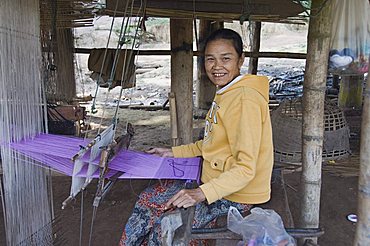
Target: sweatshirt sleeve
x=243, y=126
x=188, y=150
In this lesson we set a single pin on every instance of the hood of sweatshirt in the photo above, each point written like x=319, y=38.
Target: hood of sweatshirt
x=256, y=82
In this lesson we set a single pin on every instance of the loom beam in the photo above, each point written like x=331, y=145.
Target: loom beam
x=108, y=155
x=83, y=150
x=97, y=143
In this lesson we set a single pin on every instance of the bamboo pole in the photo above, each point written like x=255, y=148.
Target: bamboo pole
x=256, y=42
x=205, y=90
x=362, y=236
x=181, y=32
x=313, y=113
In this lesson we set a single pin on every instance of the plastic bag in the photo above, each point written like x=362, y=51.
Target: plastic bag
x=261, y=227
x=350, y=37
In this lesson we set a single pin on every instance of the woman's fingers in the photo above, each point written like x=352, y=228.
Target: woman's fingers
x=151, y=151
x=163, y=152
x=173, y=199
x=167, y=154
x=186, y=198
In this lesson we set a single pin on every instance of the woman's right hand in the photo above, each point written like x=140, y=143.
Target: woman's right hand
x=162, y=152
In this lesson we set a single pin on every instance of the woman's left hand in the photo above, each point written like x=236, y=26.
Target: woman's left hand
x=186, y=198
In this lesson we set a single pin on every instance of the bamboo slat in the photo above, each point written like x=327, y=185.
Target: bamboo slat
x=233, y=9
x=218, y=16
x=64, y=14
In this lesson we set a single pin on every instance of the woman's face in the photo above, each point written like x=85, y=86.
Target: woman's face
x=222, y=62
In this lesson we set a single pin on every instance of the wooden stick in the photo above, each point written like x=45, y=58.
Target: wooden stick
x=173, y=118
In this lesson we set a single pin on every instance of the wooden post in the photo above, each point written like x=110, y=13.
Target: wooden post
x=65, y=84
x=181, y=31
x=60, y=82
x=350, y=91
x=205, y=89
x=313, y=113
x=255, y=47
x=362, y=236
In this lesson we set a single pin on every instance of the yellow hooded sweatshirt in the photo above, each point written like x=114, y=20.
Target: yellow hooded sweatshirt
x=237, y=148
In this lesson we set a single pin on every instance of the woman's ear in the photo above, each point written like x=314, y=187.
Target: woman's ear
x=241, y=61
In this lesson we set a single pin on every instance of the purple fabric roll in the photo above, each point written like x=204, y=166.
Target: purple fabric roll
x=56, y=152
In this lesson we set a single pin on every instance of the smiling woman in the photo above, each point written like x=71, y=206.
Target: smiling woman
x=223, y=58
x=236, y=149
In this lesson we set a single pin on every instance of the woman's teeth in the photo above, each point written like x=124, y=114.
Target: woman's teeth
x=218, y=74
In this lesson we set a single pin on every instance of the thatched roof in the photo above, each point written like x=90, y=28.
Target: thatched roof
x=67, y=13
x=259, y=10
x=79, y=13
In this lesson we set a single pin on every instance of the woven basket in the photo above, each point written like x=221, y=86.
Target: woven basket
x=287, y=132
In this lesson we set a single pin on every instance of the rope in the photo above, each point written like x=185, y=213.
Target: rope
x=93, y=106
x=129, y=58
x=116, y=56
x=122, y=41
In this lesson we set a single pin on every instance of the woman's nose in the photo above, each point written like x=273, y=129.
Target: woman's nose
x=217, y=64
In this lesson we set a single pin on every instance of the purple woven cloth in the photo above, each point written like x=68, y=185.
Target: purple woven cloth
x=56, y=152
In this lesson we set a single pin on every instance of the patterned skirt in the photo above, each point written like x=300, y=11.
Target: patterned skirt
x=143, y=227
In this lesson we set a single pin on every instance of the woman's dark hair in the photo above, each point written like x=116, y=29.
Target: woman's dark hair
x=229, y=35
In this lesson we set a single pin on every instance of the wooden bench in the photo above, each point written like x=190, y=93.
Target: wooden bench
x=221, y=235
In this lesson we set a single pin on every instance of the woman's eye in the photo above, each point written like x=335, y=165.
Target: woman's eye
x=226, y=58
x=209, y=59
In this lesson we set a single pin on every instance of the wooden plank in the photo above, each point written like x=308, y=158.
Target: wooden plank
x=182, y=76
x=287, y=55
x=350, y=91
x=66, y=112
x=225, y=234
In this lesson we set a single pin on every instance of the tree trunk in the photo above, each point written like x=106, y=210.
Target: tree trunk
x=313, y=113
x=363, y=224
x=181, y=31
